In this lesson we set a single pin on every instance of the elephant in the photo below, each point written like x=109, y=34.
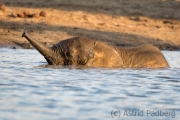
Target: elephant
x=84, y=51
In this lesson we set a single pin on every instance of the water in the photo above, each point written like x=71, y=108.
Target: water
x=31, y=91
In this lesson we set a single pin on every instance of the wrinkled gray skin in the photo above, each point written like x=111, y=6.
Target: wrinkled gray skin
x=83, y=51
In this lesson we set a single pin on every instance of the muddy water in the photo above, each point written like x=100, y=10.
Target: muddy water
x=29, y=90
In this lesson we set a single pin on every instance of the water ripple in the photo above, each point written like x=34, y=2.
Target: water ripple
x=31, y=89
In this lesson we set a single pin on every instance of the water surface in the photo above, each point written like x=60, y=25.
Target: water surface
x=31, y=91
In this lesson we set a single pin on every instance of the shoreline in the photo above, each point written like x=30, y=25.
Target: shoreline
x=26, y=45
x=29, y=46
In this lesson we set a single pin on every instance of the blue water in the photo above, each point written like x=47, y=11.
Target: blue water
x=30, y=90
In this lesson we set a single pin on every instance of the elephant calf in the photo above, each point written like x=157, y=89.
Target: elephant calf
x=83, y=51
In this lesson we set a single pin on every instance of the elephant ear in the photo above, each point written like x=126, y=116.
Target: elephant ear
x=105, y=55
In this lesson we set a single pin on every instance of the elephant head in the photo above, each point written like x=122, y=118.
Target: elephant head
x=78, y=51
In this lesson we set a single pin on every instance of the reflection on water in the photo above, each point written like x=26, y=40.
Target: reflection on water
x=30, y=90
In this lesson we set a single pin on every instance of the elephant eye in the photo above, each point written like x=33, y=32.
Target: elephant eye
x=68, y=54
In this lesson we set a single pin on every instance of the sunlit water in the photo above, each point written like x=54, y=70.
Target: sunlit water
x=29, y=91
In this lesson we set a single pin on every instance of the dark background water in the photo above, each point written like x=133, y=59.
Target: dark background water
x=30, y=90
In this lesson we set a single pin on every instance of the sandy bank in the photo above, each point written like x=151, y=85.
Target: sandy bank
x=117, y=22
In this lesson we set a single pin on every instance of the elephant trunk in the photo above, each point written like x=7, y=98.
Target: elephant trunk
x=44, y=50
